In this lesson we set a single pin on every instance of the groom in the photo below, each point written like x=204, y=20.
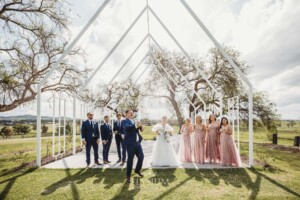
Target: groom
x=132, y=140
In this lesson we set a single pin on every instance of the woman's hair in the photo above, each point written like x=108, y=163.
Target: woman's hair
x=199, y=118
x=164, y=117
x=209, y=119
x=187, y=119
x=222, y=121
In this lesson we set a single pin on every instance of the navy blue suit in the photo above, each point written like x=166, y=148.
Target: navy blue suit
x=90, y=133
x=106, y=134
x=132, y=141
x=119, y=140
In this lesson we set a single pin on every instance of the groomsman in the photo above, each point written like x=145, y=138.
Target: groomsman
x=119, y=140
x=90, y=138
x=132, y=139
x=106, y=136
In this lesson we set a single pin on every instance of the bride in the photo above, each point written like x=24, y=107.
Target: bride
x=163, y=153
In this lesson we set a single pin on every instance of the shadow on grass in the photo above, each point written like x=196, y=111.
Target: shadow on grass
x=125, y=193
x=108, y=176
x=279, y=185
x=237, y=178
x=11, y=181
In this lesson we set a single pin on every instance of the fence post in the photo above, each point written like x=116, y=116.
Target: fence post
x=275, y=138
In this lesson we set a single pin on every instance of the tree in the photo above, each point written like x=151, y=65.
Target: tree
x=291, y=124
x=33, y=126
x=35, y=34
x=113, y=96
x=21, y=128
x=220, y=73
x=44, y=129
x=6, y=131
x=155, y=81
x=67, y=127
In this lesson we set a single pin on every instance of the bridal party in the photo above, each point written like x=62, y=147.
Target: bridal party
x=200, y=142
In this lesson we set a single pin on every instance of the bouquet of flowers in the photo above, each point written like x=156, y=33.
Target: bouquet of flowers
x=167, y=136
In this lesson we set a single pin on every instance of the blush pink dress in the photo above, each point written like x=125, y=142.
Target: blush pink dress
x=212, y=143
x=228, y=149
x=199, y=144
x=185, y=152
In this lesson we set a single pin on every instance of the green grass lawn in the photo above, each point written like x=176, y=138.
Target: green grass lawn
x=15, y=152
x=282, y=182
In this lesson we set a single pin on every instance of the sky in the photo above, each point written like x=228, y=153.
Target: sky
x=266, y=32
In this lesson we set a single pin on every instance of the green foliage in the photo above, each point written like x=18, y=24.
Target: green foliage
x=20, y=157
x=6, y=131
x=67, y=127
x=44, y=129
x=21, y=128
x=33, y=126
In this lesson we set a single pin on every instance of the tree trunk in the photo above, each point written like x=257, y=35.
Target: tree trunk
x=176, y=108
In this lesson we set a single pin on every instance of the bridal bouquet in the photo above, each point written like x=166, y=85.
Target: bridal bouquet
x=167, y=136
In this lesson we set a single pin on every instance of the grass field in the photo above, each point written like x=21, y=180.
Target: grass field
x=281, y=181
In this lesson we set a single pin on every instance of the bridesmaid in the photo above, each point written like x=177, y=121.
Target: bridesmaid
x=229, y=152
x=212, y=140
x=185, y=153
x=199, y=141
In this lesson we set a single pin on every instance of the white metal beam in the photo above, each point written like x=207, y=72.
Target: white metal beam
x=113, y=49
x=138, y=65
x=166, y=82
x=184, y=51
x=127, y=92
x=178, y=71
x=74, y=127
x=122, y=67
x=160, y=64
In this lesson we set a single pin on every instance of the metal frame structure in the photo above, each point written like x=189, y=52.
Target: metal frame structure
x=59, y=125
x=148, y=10
x=234, y=114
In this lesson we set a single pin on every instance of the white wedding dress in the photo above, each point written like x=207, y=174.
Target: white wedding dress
x=163, y=153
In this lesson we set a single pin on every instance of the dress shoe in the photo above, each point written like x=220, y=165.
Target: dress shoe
x=123, y=163
x=128, y=180
x=119, y=161
x=97, y=163
x=105, y=162
x=108, y=161
x=88, y=166
x=139, y=173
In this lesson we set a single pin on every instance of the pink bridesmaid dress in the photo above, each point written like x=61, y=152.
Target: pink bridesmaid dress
x=185, y=144
x=212, y=143
x=199, y=144
x=228, y=149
